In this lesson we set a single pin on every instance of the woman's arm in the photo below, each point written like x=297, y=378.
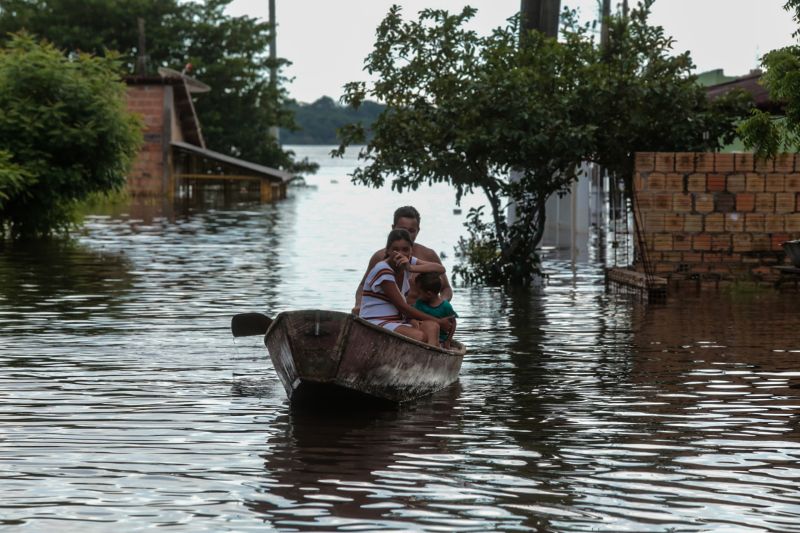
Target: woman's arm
x=420, y=266
x=426, y=266
x=377, y=256
x=393, y=293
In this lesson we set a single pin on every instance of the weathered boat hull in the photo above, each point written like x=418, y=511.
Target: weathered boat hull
x=324, y=353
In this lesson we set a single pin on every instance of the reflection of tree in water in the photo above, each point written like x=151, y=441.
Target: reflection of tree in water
x=223, y=261
x=570, y=351
x=44, y=283
x=569, y=355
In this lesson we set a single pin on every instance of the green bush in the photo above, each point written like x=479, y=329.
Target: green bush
x=65, y=134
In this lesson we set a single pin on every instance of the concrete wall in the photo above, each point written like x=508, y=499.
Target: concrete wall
x=712, y=216
x=565, y=230
x=147, y=178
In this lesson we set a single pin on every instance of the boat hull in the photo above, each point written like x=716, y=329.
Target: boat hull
x=317, y=351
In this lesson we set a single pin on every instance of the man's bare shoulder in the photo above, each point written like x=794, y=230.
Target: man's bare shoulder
x=425, y=253
x=379, y=255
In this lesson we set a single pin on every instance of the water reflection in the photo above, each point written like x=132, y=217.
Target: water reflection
x=61, y=284
x=340, y=470
x=217, y=259
x=127, y=405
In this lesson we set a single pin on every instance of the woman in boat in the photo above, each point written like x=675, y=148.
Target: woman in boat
x=385, y=288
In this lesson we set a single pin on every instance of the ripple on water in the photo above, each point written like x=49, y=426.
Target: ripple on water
x=127, y=405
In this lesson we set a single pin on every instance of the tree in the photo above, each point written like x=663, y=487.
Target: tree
x=764, y=133
x=320, y=120
x=95, y=26
x=228, y=53
x=231, y=55
x=648, y=100
x=465, y=110
x=65, y=133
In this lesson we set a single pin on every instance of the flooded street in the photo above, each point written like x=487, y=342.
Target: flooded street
x=125, y=404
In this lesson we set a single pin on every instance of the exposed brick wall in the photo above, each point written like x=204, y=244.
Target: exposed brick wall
x=717, y=216
x=146, y=177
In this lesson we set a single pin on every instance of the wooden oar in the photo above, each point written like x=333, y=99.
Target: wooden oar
x=245, y=324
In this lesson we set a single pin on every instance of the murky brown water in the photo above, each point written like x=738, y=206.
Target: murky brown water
x=125, y=404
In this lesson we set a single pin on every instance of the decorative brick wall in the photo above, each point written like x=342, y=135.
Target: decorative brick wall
x=147, y=178
x=714, y=216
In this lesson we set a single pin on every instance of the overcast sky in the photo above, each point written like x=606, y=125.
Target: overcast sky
x=327, y=40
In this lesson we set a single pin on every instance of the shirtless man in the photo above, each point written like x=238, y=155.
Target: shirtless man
x=407, y=218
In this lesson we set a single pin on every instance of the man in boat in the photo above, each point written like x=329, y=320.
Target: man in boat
x=407, y=218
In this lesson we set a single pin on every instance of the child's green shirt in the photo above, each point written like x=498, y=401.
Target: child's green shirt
x=443, y=310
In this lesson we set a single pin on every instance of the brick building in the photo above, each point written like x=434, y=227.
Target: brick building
x=174, y=153
x=716, y=216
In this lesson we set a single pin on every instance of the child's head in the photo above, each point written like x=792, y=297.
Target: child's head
x=429, y=285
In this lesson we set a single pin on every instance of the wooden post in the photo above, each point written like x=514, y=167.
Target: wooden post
x=265, y=190
x=167, y=106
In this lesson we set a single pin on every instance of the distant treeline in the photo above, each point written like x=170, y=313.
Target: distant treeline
x=319, y=121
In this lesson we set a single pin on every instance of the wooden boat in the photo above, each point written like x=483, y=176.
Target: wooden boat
x=326, y=354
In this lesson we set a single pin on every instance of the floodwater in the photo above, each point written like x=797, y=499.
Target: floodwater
x=126, y=405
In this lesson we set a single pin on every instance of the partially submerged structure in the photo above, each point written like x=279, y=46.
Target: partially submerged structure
x=711, y=217
x=174, y=159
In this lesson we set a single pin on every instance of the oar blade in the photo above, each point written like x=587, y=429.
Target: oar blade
x=245, y=324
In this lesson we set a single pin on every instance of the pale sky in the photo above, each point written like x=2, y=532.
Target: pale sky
x=327, y=40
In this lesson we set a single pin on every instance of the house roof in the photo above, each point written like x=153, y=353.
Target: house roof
x=194, y=85
x=751, y=84
x=184, y=107
x=269, y=172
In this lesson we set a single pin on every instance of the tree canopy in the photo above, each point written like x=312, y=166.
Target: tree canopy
x=228, y=53
x=647, y=99
x=65, y=133
x=764, y=133
x=467, y=110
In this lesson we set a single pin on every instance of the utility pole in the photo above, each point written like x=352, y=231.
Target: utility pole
x=604, y=15
x=542, y=15
x=141, y=58
x=274, y=131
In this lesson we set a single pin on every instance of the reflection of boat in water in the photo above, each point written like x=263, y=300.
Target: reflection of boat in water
x=341, y=469
x=323, y=354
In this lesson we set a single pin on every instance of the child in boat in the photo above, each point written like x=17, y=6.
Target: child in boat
x=385, y=288
x=430, y=302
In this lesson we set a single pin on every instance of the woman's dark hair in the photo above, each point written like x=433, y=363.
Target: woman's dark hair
x=429, y=281
x=398, y=235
